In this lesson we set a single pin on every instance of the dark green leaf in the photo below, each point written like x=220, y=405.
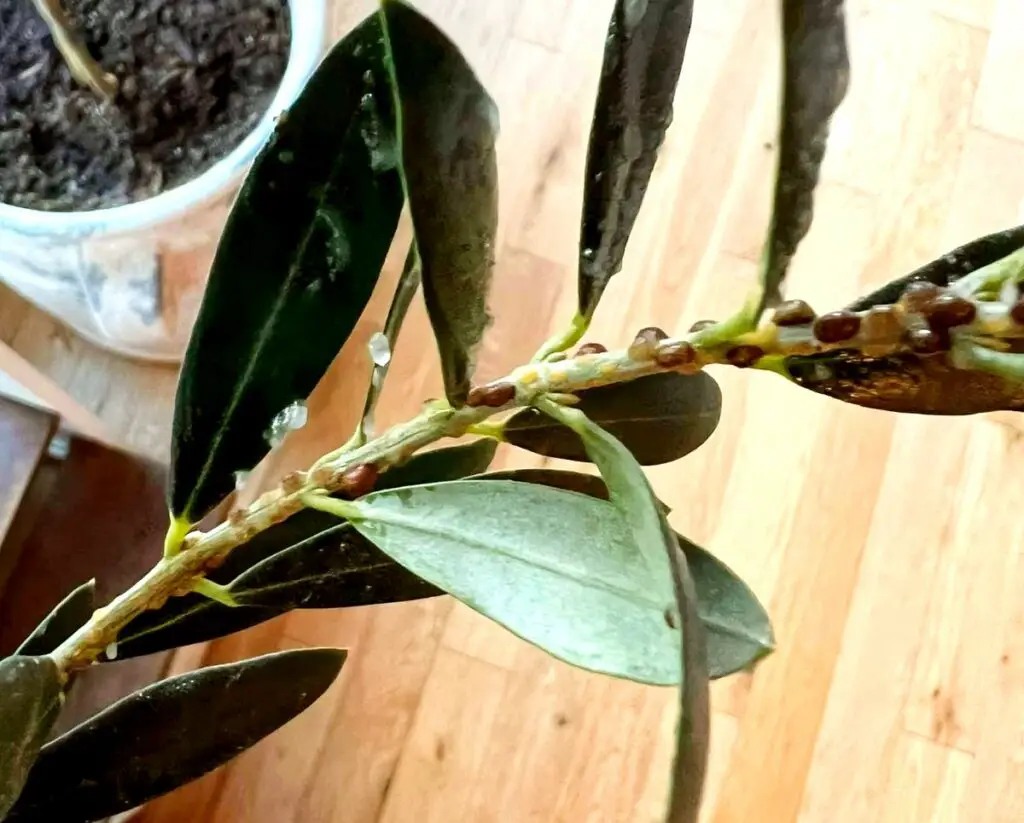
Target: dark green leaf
x=30, y=700
x=448, y=129
x=906, y=383
x=816, y=72
x=659, y=418
x=184, y=621
x=949, y=268
x=69, y=616
x=737, y=629
x=170, y=733
x=643, y=57
x=452, y=463
x=408, y=285
x=332, y=569
x=668, y=573
x=588, y=484
x=557, y=568
x=298, y=259
x=308, y=561
x=694, y=725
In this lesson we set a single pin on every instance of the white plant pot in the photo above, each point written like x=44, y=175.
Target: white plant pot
x=130, y=278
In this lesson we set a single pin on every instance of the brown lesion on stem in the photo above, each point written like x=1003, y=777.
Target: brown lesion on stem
x=83, y=67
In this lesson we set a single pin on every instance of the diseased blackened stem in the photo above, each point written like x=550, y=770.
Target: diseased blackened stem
x=83, y=68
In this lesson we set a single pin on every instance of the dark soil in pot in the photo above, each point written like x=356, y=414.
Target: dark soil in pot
x=195, y=76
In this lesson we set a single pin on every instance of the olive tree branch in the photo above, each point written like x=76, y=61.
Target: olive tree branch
x=83, y=68
x=344, y=470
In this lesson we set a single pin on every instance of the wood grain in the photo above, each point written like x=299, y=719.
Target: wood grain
x=24, y=435
x=888, y=550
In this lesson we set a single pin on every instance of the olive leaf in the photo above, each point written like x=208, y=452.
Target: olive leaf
x=30, y=699
x=669, y=576
x=659, y=418
x=170, y=733
x=950, y=267
x=448, y=127
x=298, y=259
x=816, y=71
x=738, y=629
x=643, y=57
x=559, y=569
x=408, y=285
x=68, y=616
x=308, y=561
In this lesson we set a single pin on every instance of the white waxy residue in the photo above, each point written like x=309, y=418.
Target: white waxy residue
x=291, y=417
x=112, y=651
x=241, y=477
x=380, y=349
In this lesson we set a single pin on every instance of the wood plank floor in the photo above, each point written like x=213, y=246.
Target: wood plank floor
x=889, y=549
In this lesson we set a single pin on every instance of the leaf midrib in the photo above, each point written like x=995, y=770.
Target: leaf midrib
x=264, y=335
x=732, y=629
x=545, y=422
x=394, y=519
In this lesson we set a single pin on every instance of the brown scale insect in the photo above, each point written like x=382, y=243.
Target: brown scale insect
x=744, y=356
x=359, y=480
x=293, y=481
x=646, y=342
x=675, y=355
x=836, y=326
x=917, y=296
x=948, y=311
x=926, y=341
x=793, y=313
x=1017, y=312
x=881, y=328
x=494, y=395
x=590, y=348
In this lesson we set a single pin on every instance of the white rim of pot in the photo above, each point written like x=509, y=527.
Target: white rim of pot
x=308, y=29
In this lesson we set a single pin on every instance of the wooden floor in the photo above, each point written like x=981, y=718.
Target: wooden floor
x=890, y=550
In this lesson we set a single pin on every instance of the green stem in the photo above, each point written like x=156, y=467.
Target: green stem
x=967, y=354
x=564, y=339
x=178, y=572
x=176, y=532
x=215, y=591
x=488, y=428
x=332, y=505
